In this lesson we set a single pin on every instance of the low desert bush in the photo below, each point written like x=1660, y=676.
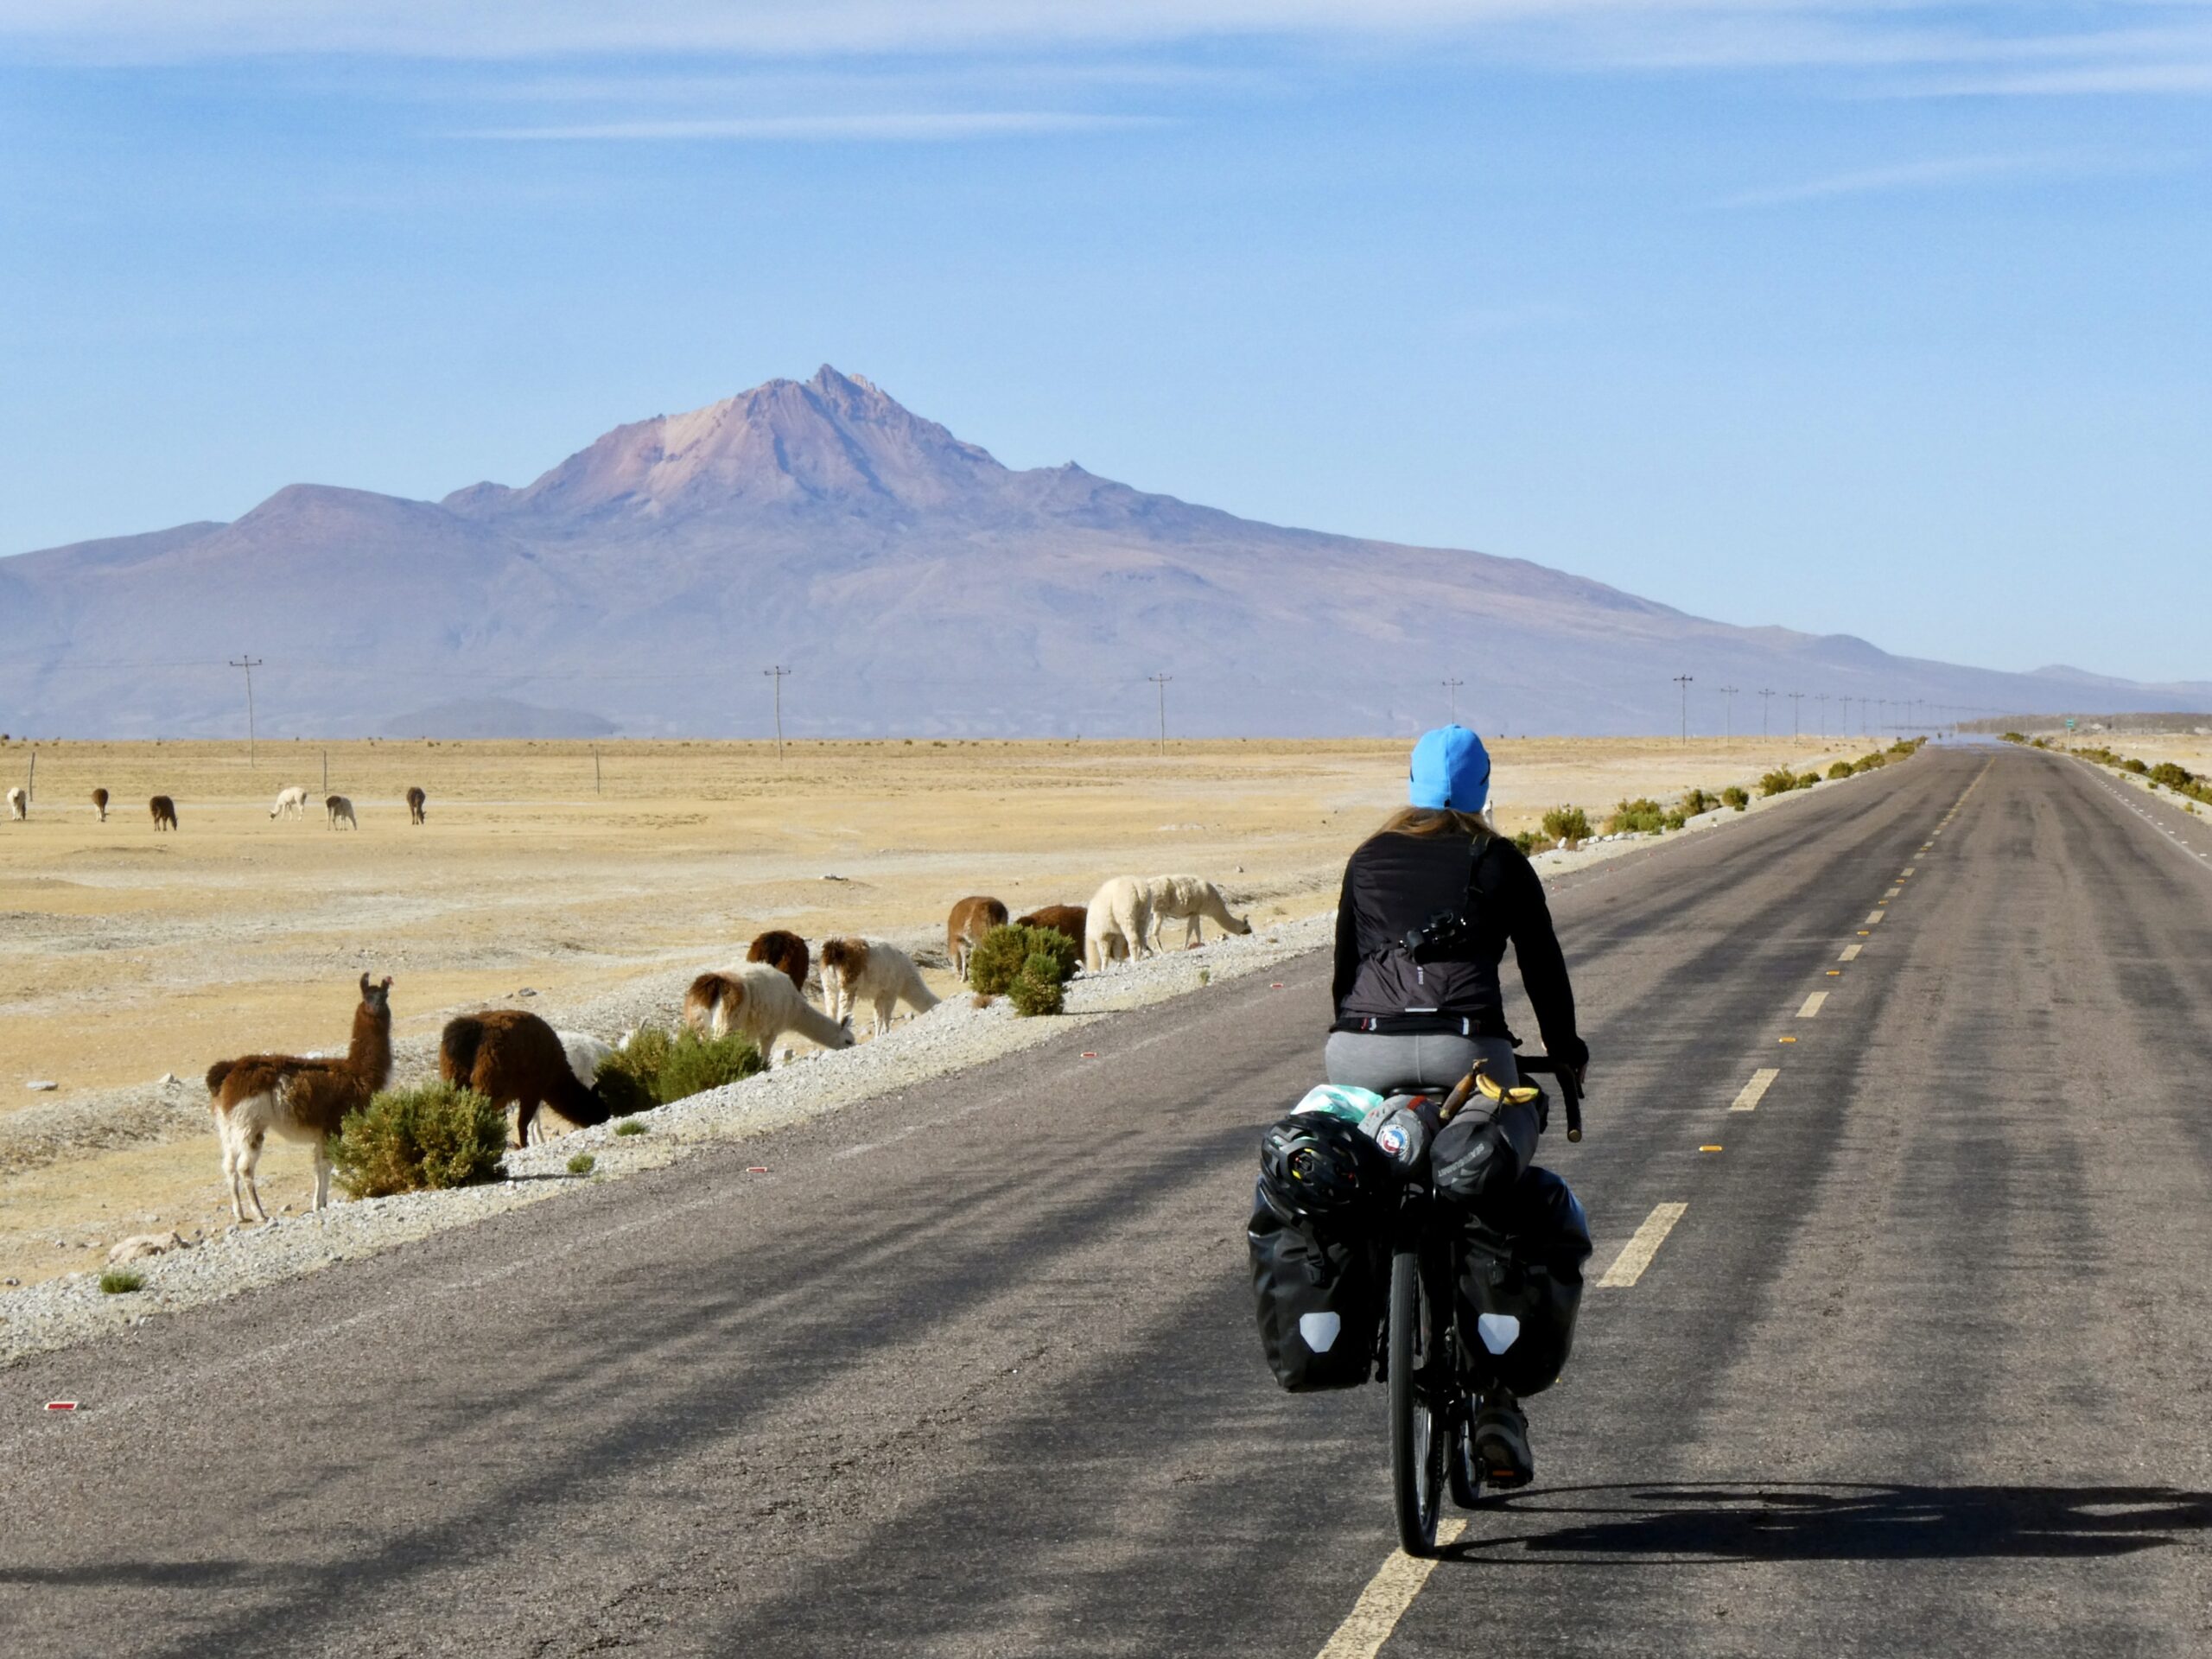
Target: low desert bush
x=1567, y=823
x=1735, y=798
x=629, y=1126
x=406, y=1139
x=1841, y=769
x=1696, y=801
x=1642, y=816
x=120, y=1281
x=2015, y=737
x=582, y=1164
x=1527, y=841
x=1807, y=780
x=2172, y=776
x=656, y=1069
x=2134, y=766
x=1677, y=821
x=1036, y=989
x=1777, y=783
x=1003, y=955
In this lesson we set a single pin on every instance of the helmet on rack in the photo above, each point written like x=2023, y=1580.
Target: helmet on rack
x=1314, y=1166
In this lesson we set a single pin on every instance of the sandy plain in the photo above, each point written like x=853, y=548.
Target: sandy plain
x=575, y=869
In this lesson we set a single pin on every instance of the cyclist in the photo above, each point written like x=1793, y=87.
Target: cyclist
x=1430, y=900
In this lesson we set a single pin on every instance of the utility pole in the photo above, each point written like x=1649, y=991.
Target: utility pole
x=1452, y=686
x=248, y=663
x=1796, y=706
x=777, y=675
x=1765, y=703
x=1683, y=680
x=1728, y=712
x=1160, y=680
x=1822, y=699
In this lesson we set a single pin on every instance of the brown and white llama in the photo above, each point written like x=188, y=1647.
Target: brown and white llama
x=417, y=802
x=291, y=804
x=971, y=918
x=1064, y=920
x=299, y=1099
x=1185, y=899
x=514, y=1059
x=164, y=812
x=759, y=1002
x=784, y=950
x=336, y=807
x=99, y=804
x=17, y=804
x=875, y=971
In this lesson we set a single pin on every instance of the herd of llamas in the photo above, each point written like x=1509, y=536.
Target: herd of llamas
x=517, y=1059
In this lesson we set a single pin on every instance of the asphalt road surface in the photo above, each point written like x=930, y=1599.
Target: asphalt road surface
x=1922, y=1366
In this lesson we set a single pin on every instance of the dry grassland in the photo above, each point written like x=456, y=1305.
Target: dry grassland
x=125, y=954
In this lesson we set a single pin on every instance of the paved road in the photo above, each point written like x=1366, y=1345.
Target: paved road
x=1925, y=1365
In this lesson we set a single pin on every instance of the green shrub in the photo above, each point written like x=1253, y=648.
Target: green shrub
x=1567, y=823
x=405, y=1140
x=1841, y=769
x=1002, y=955
x=1807, y=780
x=1777, y=783
x=1036, y=989
x=2172, y=776
x=1735, y=798
x=2015, y=737
x=1642, y=816
x=1696, y=801
x=2134, y=766
x=1527, y=841
x=629, y=1126
x=695, y=1064
x=628, y=1080
x=582, y=1164
x=120, y=1281
x=1677, y=821
x=2037, y=743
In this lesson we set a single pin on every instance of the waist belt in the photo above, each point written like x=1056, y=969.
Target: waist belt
x=1395, y=1024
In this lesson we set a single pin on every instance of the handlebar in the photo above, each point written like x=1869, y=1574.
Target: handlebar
x=1570, y=1095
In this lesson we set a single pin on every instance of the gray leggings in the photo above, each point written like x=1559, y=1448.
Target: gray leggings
x=1371, y=1060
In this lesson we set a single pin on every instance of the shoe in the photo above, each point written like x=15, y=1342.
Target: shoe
x=1501, y=1442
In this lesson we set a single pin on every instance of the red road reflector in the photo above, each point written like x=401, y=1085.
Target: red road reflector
x=756, y=1169
x=1275, y=985
x=61, y=1405
x=1090, y=1053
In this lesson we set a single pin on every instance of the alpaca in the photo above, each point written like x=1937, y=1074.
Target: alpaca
x=417, y=801
x=337, y=807
x=164, y=812
x=99, y=804
x=291, y=804
x=1118, y=923
x=872, y=970
x=783, y=950
x=299, y=1099
x=759, y=1001
x=1185, y=899
x=512, y=1058
x=17, y=802
x=970, y=919
x=1064, y=920
x=586, y=1053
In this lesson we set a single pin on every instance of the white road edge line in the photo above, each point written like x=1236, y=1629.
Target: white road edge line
x=1636, y=1255
x=1754, y=1091
x=1812, y=1005
x=1850, y=953
x=1383, y=1602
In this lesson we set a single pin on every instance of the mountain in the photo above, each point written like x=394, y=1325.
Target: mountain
x=912, y=583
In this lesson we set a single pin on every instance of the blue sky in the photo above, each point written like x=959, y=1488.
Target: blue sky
x=1885, y=319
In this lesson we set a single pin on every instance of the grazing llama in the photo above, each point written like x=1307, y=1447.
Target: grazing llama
x=1118, y=923
x=785, y=951
x=759, y=1002
x=164, y=812
x=291, y=804
x=586, y=1053
x=514, y=1059
x=1064, y=920
x=1185, y=899
x=16, y=803
x=963, y=930
x=336, y=807
x=417, y=801
x=301, y=1099
x=99, y=804
x=873, y=972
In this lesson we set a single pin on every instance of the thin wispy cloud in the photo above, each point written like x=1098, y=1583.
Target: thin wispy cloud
x=936, y=127
x=1940, y=173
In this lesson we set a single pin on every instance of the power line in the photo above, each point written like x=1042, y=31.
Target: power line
x=1728, y=712
x=1160, y=680
x=248, y=663
x=1765, y=705
x=1452, y=686
x=1796, y=726
x=1683, y=680
x=776, y=675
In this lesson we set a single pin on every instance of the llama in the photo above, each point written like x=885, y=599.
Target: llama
x=99, y=804
x=164, y=812
x=17, y=801
x=586, y=1053
x=1118, y=923
x=301, y=1099
x=417, y=801
x=872, y=970
x=1185, y=899
x=786, y=952
x=512, y=1058
x=759, y=1002
x=336, y=807
x=970, y=919
x=1064, y=920
x=291, y=804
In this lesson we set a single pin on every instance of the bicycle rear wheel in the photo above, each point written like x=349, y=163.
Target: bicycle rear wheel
x=1417, y=1426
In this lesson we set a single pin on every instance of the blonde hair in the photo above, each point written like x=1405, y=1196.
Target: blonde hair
x=1437, y=821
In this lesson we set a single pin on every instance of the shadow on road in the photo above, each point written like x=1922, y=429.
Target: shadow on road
x=1869, y=1522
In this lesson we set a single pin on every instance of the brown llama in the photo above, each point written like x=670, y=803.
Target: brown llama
x=1065, y=919
x=99, y=804
x=970, y=919
x=336, y=807
x=784, y=951
x=416, y=800
x=513, y=1058
x=164, y=812
x=260, y=1095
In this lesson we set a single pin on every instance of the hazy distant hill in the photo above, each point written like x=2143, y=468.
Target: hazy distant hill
x=912, y=583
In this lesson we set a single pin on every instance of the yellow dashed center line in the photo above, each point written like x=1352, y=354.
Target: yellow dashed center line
x=1383, y=1602
x=1754, y=1091
x=1636, y=1255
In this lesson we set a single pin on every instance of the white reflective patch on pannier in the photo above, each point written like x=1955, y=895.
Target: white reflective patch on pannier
x=1497, y=1331
x=1318, y=1330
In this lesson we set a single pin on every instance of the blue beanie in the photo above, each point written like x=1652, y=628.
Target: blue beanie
x=1451, y=769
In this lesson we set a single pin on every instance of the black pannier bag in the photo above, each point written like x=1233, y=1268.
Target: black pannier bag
x=1321, y=1270
x=1521, y=1260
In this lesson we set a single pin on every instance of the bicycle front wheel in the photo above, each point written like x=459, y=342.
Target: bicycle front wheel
x=1417, y=1429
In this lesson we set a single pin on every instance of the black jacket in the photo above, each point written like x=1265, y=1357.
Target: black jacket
x=1393, y=883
